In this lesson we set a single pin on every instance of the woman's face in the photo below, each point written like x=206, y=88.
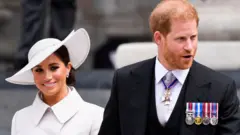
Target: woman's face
x=50, y=76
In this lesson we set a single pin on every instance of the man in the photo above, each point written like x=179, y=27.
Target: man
x=62, y=19
x=197, y=101
x=5, y=14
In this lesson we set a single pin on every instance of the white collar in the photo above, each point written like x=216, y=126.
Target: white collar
x=63, y=110
x=160, y=72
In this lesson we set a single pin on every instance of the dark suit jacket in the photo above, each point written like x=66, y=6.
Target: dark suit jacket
x=126, y=110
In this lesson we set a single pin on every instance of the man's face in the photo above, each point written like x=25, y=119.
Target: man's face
x=177, y=49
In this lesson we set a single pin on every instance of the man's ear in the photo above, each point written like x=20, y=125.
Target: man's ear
x=158, y=37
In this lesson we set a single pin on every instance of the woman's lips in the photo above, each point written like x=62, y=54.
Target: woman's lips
x=49, y=84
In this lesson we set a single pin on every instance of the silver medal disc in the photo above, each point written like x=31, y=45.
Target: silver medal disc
x=189, y=118
x=206, y=120
x=214, y=121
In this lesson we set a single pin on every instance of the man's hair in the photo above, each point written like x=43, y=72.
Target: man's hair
x=168, y=10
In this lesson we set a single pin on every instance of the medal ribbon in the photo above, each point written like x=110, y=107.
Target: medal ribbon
x=193, y=108
x=215, y=110
x=210, y=105
x=205, y=110
x=170, y=85
x=189, y=107
x=198, y=109
x=209, y=110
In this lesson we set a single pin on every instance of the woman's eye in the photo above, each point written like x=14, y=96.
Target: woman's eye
x=53, y=68
x=38, y=70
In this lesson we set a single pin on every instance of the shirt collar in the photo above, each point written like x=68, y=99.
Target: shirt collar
x=160, y=72
x=63, y=110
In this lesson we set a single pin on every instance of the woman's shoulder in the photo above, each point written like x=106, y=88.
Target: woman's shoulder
x=84, y=105
x=93, y=107
x=21, y=119
x=24, y=112
x=93, y=113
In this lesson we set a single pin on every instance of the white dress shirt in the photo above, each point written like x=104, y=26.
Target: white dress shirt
x=70, y=116
x=164, y=111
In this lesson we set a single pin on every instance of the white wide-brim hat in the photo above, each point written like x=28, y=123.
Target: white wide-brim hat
x=77, y=44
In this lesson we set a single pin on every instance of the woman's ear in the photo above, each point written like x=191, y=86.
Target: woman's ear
x=69, y=67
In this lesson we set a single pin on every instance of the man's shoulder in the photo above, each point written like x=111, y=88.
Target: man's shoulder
x=142, y=64
x=211, y=74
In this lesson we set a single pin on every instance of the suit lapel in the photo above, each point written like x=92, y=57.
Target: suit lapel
x=197, y=85
x=196, y=89
x=144, y=82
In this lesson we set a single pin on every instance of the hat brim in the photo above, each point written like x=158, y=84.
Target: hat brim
x=78, y=46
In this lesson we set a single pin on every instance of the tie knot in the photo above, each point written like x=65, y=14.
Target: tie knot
x=169, y=78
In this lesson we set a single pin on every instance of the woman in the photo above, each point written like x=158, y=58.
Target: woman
x=57, y=109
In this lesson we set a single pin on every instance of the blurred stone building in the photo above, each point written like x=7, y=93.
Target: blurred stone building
x=112, y=22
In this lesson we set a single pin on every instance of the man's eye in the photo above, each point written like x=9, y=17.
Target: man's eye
x=181, y=38
x=193, y=37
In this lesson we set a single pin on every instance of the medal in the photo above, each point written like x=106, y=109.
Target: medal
x=166, y=98
x=167, y=94
x=189, y=119
x=214, y=121
x=214, y=114
x=198, y=120
x=206, y=114
x=198, y=114
x=206, y=120
x=189, y=113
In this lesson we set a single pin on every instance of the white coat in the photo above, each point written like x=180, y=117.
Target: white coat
x=71, y=116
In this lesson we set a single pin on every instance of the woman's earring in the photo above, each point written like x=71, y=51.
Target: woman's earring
x=67, y=74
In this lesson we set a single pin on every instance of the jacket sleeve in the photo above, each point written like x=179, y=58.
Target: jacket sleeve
x=229, y=123
x=111, y=123
x=13, y=127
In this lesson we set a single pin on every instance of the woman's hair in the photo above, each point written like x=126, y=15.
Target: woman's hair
x=63, y=54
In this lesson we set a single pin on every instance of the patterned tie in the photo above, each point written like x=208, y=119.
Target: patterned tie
x=169, y=80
